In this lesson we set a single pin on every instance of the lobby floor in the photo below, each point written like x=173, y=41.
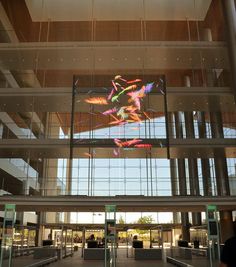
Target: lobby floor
x=122, y=261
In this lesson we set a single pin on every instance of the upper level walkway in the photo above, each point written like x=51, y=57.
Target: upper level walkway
x=60, y=148
x=58, y=99
x=123, y=203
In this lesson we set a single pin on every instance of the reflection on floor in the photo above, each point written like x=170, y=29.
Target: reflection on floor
x=122, y=261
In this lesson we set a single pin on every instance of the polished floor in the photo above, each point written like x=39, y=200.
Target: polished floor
x=122, y=261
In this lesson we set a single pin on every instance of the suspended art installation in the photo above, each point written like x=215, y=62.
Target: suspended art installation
x=126, y=97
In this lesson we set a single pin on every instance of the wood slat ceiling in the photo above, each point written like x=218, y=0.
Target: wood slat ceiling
x=28, y=31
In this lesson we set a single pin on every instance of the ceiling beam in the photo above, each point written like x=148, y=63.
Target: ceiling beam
x=60, y=148
x=124, y=203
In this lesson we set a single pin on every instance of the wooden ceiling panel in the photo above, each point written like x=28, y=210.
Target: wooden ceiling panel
x=28, y=31
x=130, y=30
x=171, y=30
x=107, y=31
x=69, y=31
x=215, y=21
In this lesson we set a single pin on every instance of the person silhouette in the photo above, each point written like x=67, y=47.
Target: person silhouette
x=92, y=237
x=228, y=255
